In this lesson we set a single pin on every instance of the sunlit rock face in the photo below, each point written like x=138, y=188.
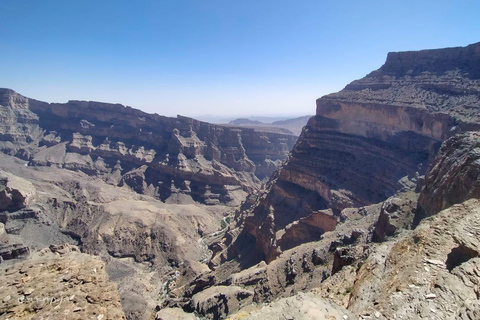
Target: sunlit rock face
x=177, y=160
x=375, y=137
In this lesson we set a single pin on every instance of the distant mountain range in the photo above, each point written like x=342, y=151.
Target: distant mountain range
x=294, y=125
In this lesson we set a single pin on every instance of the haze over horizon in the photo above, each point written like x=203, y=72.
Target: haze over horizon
x=210, y=57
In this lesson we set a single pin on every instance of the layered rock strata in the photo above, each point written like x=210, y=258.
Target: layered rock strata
x=367, y=142
x=137, y=189
x=454, y=176
x=428, y=273
x=173, y=159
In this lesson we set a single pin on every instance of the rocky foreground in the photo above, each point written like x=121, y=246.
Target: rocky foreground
x=374, y=215
x=59, y=283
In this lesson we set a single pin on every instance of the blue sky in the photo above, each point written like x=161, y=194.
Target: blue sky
x=214, y=57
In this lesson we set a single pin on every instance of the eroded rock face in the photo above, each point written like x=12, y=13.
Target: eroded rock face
x=367, y=142
x=320, y=225
x=19, y=127
x=217, y=302
x=430, y=272
x=174, y=314
x=335, y=219
x=144, y=241
x=180, y=158
x=396, y=214
x=15, y=193
x=454, y=175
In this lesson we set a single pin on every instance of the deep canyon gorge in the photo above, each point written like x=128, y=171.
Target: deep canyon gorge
x=373, y=212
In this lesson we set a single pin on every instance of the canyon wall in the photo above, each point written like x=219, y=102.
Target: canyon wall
x=177, y=160
x=139, y=190
x=372, y=139
x=454, y=176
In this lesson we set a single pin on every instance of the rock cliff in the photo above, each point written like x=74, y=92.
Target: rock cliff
x=393, y=151
x=173, y=159
x=372, y=139
x=454, y=176
x=143, y=241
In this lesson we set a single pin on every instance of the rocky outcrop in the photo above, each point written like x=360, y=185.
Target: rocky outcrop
x=145, y=242
x=84, y=159
x=396, y=214
x=217, y=302
x=59, y=283
x=428, y=273
x=15, y=193
x=301, y=306
x=295, y=270
x=178, y=156
x=174, y=314
x=454, y=175
x=12, y=250
x=333, y=220
x=366, y=143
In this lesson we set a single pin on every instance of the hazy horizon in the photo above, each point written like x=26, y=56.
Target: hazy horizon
x=196, y=58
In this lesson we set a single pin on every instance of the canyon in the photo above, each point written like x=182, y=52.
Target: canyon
x=373, y=213
x=138, y=190
x=377, y=159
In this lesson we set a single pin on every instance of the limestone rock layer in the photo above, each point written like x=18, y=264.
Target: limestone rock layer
x=177, y=160
x=374, y=138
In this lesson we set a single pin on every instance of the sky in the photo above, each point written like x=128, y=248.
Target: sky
x=220, y=57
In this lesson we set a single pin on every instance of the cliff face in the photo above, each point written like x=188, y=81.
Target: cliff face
x=454, y=176
x=173, y=159
x=328, y=221
x=367, y=142
x=18, y=125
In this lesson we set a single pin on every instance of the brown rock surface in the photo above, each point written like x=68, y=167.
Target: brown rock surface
x=19, y=127
x=428, y=273
x=367, y=142
x=15, y=193
x=142, y=239
x=58, y=284
x=332, y=221
x=177, y=155
x=126, y=185
x=372, y=142
x=396, y=214
x=305, y=306
x=219, y=301
x=454, y=175
x=174, y=314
